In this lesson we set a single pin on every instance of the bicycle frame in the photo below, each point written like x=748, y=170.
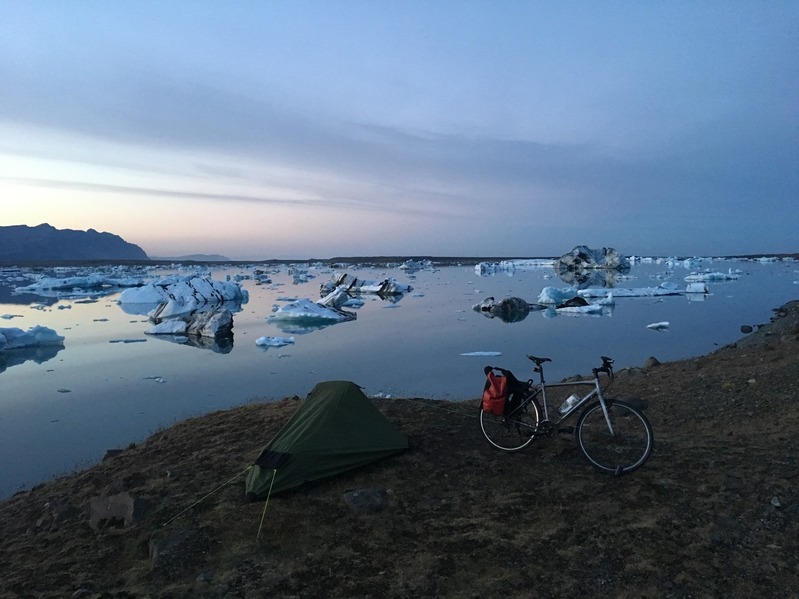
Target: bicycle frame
x=595, y=392
x=541, y=387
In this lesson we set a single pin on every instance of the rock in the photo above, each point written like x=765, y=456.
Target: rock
x=116, y=511
x=509, y=309
x=57, y=513
x=746, y=329
x=110, y=453
x=367, y=501
x=206, y=576
x=733, y=481
x=651, y=362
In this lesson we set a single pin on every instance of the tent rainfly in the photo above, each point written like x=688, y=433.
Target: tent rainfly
x=337, y=428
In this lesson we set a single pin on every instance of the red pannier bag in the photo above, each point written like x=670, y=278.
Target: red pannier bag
x=495, y=392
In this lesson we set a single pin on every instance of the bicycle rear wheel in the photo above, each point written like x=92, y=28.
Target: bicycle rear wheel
x=515, y=430
x=623, y=451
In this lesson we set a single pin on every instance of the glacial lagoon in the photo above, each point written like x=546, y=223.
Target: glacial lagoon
x=111, y=385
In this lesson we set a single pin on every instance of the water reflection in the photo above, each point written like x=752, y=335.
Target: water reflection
x=16, y=357
x=221, y=345
x=509, y=309
x=300, y=326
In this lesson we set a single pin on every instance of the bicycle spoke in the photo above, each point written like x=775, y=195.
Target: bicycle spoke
x=629, y=445
x=511, y=432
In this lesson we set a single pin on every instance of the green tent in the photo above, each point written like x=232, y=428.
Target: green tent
x=335, y=429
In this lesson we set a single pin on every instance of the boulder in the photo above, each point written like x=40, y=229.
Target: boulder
x=116, y=510
x=367, y=501
x=509, y=309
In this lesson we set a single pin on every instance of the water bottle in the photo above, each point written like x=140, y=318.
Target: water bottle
x=569, y=403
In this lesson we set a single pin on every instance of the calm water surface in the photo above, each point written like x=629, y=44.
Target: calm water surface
x=112, y=385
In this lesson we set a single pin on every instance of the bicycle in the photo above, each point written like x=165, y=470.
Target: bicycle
x=613, y=435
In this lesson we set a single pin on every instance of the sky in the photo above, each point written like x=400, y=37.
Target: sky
x=315, y=129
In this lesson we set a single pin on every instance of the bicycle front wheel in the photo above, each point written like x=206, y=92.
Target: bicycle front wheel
x=513, y=431
x=618, y=443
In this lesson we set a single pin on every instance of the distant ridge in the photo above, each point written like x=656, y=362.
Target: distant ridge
x=21, y=243
x=194, y=258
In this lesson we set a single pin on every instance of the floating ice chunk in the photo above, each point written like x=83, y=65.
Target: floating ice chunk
x=77, y=285
x=174, y=326
x=328, y=309
x=486, y=268
x=711, y=276
x=354, y=302
x=346, y=282
x=700, y=287
x=305, y=309
x=10, y=316
x=482, y=353
x=658, y=326
x=37, y=336
x=552, y=295
x=608, y=300
x=665, y=288
x=589, y=309
x=267, y=341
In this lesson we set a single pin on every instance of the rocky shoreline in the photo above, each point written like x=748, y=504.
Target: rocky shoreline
x=715, y=512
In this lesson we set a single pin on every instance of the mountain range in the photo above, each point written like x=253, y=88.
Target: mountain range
x=21, y=243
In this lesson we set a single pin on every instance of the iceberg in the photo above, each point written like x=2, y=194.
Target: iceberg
x=412, y=265
x=698, y=277
x=267, y=341
x=658, y=326
x=350, y=284
x=577, y=306
x=327, y=310
x=78, y=286
x=582, y=257
x=212, y=325
x=665, y=288
x=699, y=287
x=182, y=295
x=37, y=336
x=554, y=296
